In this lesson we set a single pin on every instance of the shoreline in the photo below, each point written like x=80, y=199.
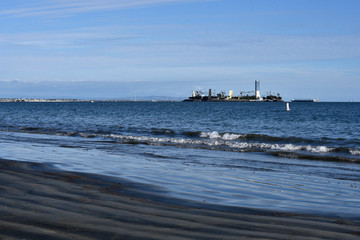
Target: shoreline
x=11, y=100
x=38, y=201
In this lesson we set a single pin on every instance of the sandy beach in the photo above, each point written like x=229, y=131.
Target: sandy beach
x=40, y=202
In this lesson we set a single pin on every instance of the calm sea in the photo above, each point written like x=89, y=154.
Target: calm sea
x=251, y=154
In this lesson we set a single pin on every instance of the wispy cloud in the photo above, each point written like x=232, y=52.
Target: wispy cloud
x=63, y=7
x=245, y=49
x=79, y=37
x=144, y=46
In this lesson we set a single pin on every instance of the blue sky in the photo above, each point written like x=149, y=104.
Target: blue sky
x=122, y=48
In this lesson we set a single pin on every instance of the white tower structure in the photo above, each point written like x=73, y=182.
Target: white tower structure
x=231, y=93
x=257, y=89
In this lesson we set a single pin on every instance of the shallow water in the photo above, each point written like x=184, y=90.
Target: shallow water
x=239, y=154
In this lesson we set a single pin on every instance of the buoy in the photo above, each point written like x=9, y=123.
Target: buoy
x=287, y=107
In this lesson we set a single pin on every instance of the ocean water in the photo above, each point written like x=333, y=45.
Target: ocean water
x=248, y=154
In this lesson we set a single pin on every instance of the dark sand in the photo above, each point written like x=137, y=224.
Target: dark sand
x=37, y=202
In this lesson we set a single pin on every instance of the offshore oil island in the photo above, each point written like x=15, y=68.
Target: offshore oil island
x=244, y=96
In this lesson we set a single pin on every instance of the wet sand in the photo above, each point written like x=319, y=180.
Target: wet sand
x=40, y=202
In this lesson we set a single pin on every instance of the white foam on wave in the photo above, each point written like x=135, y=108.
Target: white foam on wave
x=355, y=152
x=226, y=140
x=154, y=139
x=282, y=147
x=217, y=135
x=231, y=136
x=318, y=149
x=288, y=147
x=308, y=148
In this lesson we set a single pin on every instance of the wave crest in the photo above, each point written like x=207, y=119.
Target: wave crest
x=215, y=141
x=217, y=135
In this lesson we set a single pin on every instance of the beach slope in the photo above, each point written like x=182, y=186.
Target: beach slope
x=39, y=202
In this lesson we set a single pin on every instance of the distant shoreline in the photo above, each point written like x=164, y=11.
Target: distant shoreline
x=59, y=100
x=76, y=100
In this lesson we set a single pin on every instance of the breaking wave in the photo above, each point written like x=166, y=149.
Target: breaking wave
x=224, y=136
x=221, y=143
x=254, y=137
x=289, y=147
x=224, y=140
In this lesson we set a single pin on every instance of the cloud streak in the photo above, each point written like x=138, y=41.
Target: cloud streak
x=81, y=37
x=143, y=47
x=56, y=7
